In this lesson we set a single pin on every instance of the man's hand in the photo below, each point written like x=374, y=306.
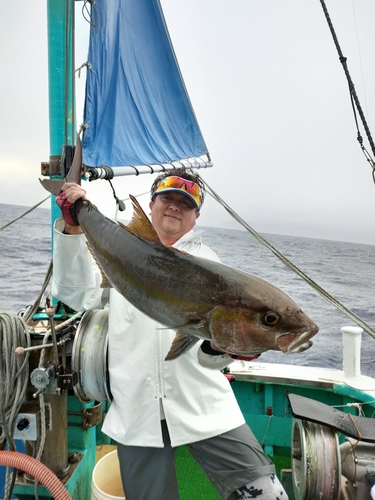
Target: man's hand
x=74, y=192
x=70, y=193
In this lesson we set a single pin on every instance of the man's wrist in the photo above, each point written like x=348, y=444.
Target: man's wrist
x=71, y=230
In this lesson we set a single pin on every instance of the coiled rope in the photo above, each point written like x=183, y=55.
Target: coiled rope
x=14, y=376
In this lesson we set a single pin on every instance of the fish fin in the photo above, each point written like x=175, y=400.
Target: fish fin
x=74, y=175
x=105, y=282
x=140, y=225
x=181, y=343
x=122, y=225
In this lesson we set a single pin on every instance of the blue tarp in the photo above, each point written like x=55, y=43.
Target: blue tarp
x=137, y=110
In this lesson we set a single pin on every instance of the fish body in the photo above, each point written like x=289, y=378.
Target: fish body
x=240, y=313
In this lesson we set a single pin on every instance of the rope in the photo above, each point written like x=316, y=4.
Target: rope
x=353, y=94
x=127, y=199
x=31, y=310
x=86, y=14
x=359, y=321
x=354, y=317
x=14, y=375
x=24, y=214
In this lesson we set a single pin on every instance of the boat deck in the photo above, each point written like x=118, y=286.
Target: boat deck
x=300, y=375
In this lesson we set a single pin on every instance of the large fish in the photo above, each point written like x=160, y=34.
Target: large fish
x=200, y=299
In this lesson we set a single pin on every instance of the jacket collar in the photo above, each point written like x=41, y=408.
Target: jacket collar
x=189, y=237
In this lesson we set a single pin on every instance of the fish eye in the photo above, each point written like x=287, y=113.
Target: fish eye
x=270, y=318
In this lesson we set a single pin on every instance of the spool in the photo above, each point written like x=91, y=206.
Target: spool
x=316, y=461
x=89, y=357
x=106, y=479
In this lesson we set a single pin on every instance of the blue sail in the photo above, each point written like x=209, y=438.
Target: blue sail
x=137, y=111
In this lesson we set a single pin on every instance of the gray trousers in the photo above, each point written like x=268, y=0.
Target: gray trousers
x=230, y=460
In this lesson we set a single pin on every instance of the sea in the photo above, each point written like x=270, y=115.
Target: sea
x=344, y=270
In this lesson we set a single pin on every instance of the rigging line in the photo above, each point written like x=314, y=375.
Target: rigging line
x=24, y=214
x=31, y=310
x=128, y=199
x=352, y=91
x=360, y=55
x=359, y=321
x=86, y=12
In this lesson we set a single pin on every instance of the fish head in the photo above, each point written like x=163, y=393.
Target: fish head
x=297, y=329
x=244, y=330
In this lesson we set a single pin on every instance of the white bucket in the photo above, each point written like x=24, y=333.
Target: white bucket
x=106, y=479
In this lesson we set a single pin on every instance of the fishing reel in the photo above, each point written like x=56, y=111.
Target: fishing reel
x=324, y=469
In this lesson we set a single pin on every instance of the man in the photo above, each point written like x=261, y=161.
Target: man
x=158, y=405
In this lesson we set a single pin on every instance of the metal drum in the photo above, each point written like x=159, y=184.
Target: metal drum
x=316, y=461
x=90, y=359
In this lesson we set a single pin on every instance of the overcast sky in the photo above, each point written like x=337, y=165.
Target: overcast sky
x=270, y=96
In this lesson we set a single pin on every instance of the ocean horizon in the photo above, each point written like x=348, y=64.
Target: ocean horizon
x=230, y=227
x=343, y=269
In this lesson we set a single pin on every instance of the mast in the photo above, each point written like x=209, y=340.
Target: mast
x=62, y=123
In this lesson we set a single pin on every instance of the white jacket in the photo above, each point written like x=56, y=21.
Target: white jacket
x=197, y=402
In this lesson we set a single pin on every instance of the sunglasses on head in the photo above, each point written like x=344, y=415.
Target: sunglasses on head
x=175, y=183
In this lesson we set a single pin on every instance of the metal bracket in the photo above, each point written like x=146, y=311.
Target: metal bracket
x=53, y=167
x=67, y=381
x=92, y=416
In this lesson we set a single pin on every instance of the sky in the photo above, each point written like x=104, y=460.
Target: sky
x=270, y=96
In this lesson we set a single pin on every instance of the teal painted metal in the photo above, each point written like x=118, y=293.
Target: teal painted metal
x=82, y=448
x=266, y=408
x=82, y=442
x=62, y=126
x=60, y=14
x=60, y=17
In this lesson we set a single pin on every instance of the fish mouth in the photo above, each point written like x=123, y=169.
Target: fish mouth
x=290, y=343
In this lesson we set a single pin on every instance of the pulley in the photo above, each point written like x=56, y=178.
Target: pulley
x=316, y=461
x=89, y=357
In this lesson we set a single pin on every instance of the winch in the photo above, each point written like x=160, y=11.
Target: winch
x=322, y=468
x=65, y=361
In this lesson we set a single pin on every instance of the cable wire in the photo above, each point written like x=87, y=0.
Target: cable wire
x=359, y=321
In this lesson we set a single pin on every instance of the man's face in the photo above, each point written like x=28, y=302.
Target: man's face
x=173, y=214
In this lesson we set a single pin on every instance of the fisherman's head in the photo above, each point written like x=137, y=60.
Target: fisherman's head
x=180, y=180
x=176, y=198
